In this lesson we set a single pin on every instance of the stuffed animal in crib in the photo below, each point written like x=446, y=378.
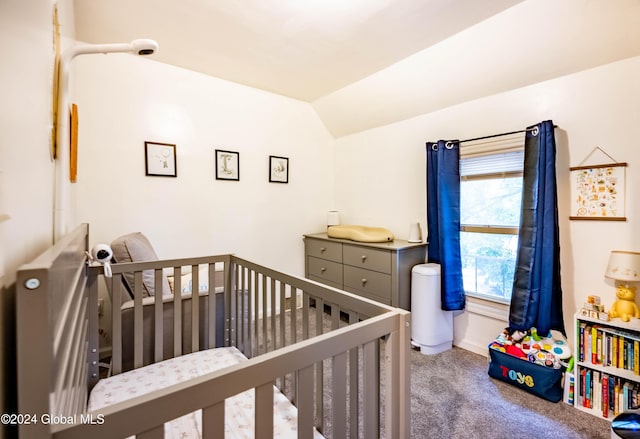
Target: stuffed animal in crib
x=625, y=306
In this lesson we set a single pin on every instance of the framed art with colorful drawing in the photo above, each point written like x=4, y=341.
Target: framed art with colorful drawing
x=598, y=192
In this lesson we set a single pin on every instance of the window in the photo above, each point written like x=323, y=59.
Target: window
x=490, y=204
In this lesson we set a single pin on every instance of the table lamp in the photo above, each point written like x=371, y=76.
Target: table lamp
x=624, y=266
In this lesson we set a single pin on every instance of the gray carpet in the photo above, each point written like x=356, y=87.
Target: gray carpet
x=453, y=397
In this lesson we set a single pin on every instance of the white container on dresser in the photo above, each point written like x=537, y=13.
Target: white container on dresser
x=379, y=271
x=607, y=372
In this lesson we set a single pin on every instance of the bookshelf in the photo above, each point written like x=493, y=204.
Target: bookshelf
x=607, y=371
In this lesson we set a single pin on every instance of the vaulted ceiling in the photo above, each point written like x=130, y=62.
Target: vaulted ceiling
x=364, y=63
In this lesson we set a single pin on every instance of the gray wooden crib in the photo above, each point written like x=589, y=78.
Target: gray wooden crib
x=341, y=360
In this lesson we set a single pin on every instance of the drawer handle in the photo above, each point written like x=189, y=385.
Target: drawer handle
x=323, y=269
x=364, y=258
x=322, y=249
x=364, y=281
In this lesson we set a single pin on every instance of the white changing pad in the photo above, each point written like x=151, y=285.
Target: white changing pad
x=239, y=410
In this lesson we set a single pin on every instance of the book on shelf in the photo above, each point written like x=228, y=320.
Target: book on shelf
x=608, y=347
x=607, y=394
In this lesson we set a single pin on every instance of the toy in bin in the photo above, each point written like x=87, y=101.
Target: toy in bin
x=530, y=361
x=550, y=351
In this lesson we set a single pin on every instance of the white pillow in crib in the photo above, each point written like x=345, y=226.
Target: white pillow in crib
x=186, y=286
x=203, y=280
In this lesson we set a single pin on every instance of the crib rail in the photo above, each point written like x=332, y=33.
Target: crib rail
x=265, y=311
x=254, y=296
x=150, y=329
x=56, y=334
x=145, y=415
x=341, y=359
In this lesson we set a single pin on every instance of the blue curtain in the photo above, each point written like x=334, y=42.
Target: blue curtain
x=443, y=219
x=536, y=300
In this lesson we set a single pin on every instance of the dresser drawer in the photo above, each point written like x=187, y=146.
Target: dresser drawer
x=367, y=258
x=368, y=295
x=324, y=249
x=325, y=282
x=325, y=270
x=368, y=281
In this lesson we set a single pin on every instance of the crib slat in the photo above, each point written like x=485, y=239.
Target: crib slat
x=305, y=315
x=319, y=368
x=256, y=326
x=294, y=314
x=177, y=313
x=264, y=411
x=370, y=389
x=319, y=316
x=353, y=384
x=265, y=318
x=213, y=421
x=294, y=339
x=211, y=317
x=339, y=395
x=116, y=325
x=272, y=291
x=155, y=433
x=159, y=320
x=137, y=319
x=232, y=311
x=335, y=316
x=283, y=335
x=240, y=304
x=305, y=402
x=245, y=312
x=195, y=309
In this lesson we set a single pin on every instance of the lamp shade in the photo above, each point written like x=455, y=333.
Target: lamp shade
x=624, y=266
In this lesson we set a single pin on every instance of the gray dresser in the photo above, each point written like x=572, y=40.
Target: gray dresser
x=378, y=271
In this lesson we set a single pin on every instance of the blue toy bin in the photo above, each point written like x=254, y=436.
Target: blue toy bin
x=542, y=381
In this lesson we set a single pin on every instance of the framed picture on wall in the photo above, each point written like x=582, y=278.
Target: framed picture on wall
x=278, y=169
x=598, y=192
x=160, y=159
x=227, y=165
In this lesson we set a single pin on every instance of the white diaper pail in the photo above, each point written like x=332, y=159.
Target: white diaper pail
x=432, y=328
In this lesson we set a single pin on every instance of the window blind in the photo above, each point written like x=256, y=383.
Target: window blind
x=512, y=161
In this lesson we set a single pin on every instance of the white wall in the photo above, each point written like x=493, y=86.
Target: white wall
x=382, y=171
x=124, y=100
x=26, y=195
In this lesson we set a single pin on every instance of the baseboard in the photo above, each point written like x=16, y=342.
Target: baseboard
x=472, y=347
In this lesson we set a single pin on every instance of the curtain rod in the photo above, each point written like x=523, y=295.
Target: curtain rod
x=501, y=134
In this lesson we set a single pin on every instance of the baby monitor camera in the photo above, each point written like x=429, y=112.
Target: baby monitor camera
x=102, y=253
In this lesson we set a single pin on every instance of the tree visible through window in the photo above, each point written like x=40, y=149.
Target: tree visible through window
x=490, y=205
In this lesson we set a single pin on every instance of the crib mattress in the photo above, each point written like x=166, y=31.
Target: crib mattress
x=239, y=410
